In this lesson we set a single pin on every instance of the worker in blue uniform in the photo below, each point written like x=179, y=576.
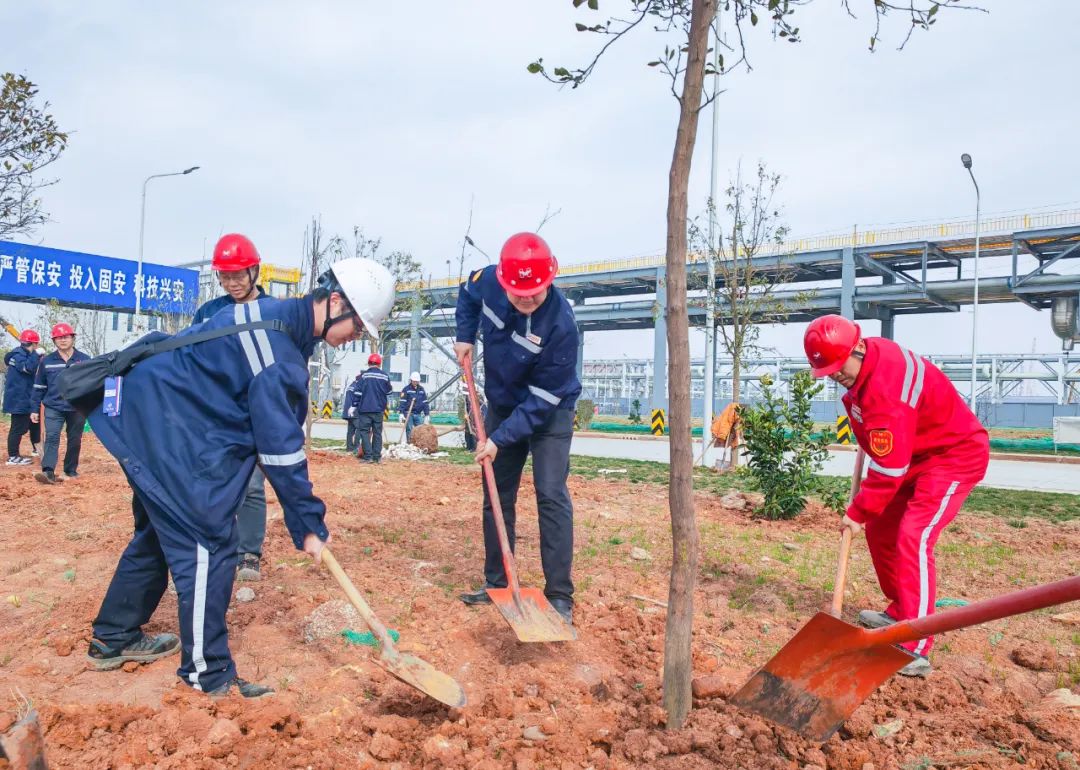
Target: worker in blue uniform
x=370, y=405
x=192, y=424
x=59, y=414
x=348, y=411
x=531, y=383
x=21, y=363
x=413, y=406
x=236, y=262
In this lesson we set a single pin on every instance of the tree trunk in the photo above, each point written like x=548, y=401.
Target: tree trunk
x=736, y=372
x=678, y=668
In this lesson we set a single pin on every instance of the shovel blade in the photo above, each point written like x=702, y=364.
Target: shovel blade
x=820, y=677
x=531, y=616
x=23, y=745
x=424, y=677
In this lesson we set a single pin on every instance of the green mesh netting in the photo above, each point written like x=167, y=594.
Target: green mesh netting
x=367, y=638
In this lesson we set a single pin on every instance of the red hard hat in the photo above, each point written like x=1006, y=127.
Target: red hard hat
x=234, y=252
x=526, y=265
x=62, y=330
x=29, y=335
x=374, y=360
x=828, y=343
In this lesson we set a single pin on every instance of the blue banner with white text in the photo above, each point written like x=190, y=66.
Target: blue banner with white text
x=37, y=273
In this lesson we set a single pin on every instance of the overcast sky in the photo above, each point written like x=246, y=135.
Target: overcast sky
x=396, y=116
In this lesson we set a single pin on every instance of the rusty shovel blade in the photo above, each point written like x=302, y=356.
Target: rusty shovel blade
x=820, y=677
x=531, y=615
x=424, y=677
x=23, y=745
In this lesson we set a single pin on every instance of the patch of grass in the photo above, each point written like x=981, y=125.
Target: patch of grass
x=977, y=556
x=390, y=534
x=69, y=575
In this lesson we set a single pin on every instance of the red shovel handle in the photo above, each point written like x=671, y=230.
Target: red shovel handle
x=489, y=477
x=1016, y=603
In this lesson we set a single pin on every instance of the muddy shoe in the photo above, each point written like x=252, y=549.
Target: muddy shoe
x=565, y=609
x=479, y=596
x=920, y=666
x=47, y=477
x=247, y=568
x=244, y=687
x=145, y=649
x=875, y=619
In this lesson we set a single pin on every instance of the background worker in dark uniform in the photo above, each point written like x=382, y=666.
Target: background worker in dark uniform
x=236, y=262
x=216, y=408
x=348, y=411
x=530, y=380
x=59, y=414
x=370, y=405
x=413, y=402
x=22, y=364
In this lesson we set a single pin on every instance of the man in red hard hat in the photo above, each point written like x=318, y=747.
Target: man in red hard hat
x=531, y=383
x=59, y=414
x=236, y=262
x=926, y=452
x=21, y=363
x=369, y=401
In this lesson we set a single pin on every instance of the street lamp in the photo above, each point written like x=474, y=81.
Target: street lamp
x=966, y=160
x=142, y=228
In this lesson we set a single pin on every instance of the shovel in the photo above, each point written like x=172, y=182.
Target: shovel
x=822, y=675
x=408, y=668
x=845, y=542
x=527, y=610
x=405, y=425
x=23, y=746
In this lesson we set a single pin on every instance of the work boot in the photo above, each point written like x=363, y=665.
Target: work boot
x=565, y=608
x=875, y=619
x=247, y=567
x=920, y=666
x=145, y=649
x=244, y=687
x=47, y=477
x=479, y=596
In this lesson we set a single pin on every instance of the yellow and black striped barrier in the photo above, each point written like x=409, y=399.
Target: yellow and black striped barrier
x=327, y=410
x=843, y=430
x=659, y=423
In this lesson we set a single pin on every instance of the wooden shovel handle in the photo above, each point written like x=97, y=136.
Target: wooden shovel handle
x=377, y=628
x=845, y=541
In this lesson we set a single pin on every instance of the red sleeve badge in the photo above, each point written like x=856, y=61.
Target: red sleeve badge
x=881, y=442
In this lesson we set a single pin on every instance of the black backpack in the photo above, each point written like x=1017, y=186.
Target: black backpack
x=83, y=384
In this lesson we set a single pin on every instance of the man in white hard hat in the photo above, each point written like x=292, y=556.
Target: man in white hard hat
x=413, y=407
x=229, y=402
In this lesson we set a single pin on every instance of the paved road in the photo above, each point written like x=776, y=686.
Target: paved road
x=1002, y=474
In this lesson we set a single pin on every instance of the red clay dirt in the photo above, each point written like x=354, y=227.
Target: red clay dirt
x=409, y=536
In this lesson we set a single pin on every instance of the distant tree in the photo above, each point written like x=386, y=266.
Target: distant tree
x=30, y=141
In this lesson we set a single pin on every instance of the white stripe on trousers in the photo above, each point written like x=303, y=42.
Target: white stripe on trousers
x=198, y=615
x=924, y=565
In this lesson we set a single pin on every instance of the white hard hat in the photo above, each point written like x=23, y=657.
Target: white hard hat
x=414, y=377
x=368, y=286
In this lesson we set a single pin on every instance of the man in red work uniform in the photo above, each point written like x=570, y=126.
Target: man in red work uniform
x=926, y=452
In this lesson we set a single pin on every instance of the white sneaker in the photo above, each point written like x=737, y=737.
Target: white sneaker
x=13, y=461
x=19, y=461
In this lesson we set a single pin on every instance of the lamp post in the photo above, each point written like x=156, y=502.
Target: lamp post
x=966, y=160
x=142, y=229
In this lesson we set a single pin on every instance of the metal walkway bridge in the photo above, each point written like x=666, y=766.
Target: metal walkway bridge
x=871, y=275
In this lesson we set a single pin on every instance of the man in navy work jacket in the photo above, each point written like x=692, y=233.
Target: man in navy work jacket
x=192, y=424
x=21, y=363
x=531, y=384
x=348, y=411
x=236, y=262
x=370, y=405
x=59, y=414
x=413, y=395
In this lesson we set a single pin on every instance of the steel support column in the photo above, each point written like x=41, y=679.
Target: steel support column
x=847, y=283
x=658, y=396
x=580, y=353
x=414, y=336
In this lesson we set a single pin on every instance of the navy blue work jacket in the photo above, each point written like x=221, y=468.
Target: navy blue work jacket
x=530, y=361
x=21, y=366
x=415, y=395
x=45, y=386
x=373, y=391
x=194, y=421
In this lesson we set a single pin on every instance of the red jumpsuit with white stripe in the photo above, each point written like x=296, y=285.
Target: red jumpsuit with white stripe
x=926, y=451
